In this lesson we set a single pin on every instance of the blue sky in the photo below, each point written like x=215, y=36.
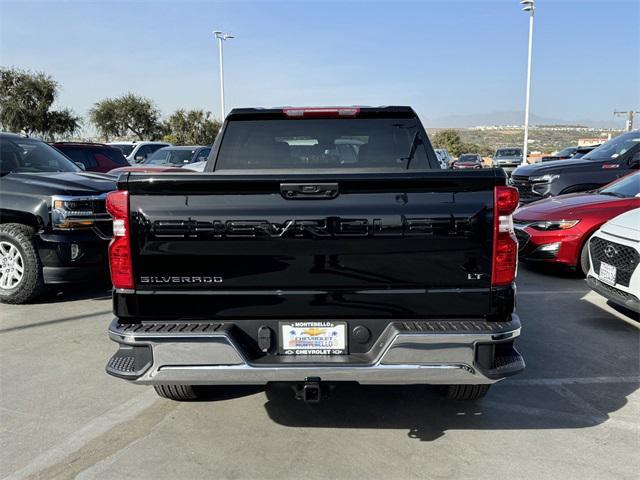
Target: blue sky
x=451, y=57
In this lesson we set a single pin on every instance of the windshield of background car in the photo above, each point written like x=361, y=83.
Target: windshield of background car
x=567, y=151
x=508, y=152
x=32, y=156
x=354, y=143
x=126, y=149
x=629, y=186
x=113, y=155
x=168, y=156
x=468, y=158
x=614, y=148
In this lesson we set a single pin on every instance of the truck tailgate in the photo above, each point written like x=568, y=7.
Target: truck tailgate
x=410, y=245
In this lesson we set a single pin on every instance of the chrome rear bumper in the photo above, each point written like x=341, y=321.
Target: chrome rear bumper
x=424, y=352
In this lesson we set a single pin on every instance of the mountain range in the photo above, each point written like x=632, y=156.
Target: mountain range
x=514, y=118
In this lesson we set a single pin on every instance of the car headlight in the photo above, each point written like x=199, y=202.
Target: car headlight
x=548, y=178
x=70, y=212
x=554, y=225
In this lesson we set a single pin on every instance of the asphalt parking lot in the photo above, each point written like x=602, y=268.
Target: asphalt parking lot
x=574, y=413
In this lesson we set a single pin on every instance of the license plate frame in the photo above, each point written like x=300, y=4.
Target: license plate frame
x=307, y=333
x=607, y=273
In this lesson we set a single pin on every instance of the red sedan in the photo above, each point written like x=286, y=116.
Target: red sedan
x=556, y=230
x=468, y=160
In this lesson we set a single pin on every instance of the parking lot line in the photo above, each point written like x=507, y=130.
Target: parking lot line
x=131, y=409
x=77, y=440
x=559, y=415
x=579, y=402
x=569, y=381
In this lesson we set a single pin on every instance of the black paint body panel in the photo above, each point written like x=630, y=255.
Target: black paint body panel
x=411, y=245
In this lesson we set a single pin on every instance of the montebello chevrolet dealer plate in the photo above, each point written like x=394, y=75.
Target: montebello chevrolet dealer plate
x=313, y=338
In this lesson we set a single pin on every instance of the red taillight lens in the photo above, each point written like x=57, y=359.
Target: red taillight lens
x=321, y=112
x=120, y=245
x=505, y=245
x=507, y=199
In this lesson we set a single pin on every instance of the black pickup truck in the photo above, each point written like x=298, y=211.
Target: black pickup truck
x=321, y=245
x=611, y=160
x=54, y=227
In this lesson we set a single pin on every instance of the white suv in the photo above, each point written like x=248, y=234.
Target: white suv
x=614, y=251
x=136, y=152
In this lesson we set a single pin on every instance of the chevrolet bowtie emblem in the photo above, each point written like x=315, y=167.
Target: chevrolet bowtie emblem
x=313, y=332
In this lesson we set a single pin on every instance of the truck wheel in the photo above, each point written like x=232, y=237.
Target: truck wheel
x=21, y=277
x=466, y=392
x=179, y=393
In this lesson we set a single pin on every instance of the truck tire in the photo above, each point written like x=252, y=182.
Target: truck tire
x=21, y=278
x=179, y=393
x=466, y=392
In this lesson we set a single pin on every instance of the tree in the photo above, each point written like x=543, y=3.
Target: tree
x=26, y=99
x=484, y=151
x=449, y=139
x=127, y=115
x=191, y=127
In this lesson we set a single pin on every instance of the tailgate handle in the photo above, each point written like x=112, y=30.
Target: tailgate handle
x=294, y=191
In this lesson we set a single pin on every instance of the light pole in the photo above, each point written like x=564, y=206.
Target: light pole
x=630, y=114
x=221, y=37
x=528, y=6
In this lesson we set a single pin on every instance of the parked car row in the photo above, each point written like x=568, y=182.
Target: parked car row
x=137, y=152
x=570, y=152
x=557, y=230
x=169, y=159
x=507, y=158
x=106, y=158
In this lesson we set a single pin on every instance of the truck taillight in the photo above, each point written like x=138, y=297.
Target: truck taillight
x=321, y=112
x=505, y=245
x=120, y=246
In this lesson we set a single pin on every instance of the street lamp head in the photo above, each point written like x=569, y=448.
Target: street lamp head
x=222, y=36
x=528, y=5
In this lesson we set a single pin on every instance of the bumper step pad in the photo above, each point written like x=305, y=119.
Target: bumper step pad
x=130, y=361
x=171, y=328
x=456, y=326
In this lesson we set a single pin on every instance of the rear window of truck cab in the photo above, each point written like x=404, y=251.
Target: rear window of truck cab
x=328, y=143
